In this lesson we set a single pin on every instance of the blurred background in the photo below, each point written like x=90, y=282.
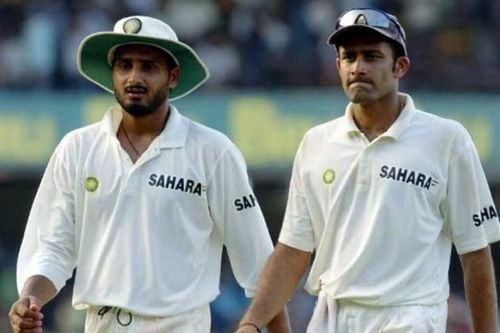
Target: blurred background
x=272, y=77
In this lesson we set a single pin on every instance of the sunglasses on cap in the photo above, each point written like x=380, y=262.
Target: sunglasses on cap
x=373, y=19
x=370, y=17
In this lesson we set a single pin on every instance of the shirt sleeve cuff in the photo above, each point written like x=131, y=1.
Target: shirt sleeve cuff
x=296, y=243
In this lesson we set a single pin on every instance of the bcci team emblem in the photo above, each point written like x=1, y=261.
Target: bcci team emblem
x=132, y=26
x=91, y=184
x=329, y=176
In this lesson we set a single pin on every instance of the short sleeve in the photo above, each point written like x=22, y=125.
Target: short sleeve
x=471, y=217
x=297, y=230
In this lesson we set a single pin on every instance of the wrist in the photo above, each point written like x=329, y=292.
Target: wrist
x=257, y=328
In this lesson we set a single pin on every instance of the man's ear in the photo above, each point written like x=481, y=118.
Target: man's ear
x=401, y=66
x=174, y=77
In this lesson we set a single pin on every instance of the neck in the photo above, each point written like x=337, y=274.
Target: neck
x=150, y=125
x=374, y=119
x=136, y=133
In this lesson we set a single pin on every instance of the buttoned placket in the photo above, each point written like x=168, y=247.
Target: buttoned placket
x=364, y=175
x=131, y=171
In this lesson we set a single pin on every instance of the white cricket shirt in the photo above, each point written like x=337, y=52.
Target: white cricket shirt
x=146, y=237
x=382, y=215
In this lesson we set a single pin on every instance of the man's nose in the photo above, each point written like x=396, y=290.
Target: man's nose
x=134, y=75
x=359, y=66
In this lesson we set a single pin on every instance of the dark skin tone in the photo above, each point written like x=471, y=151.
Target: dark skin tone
x=370, y=71
x=370, y=78
x=480, y=289
x=142, y=77
x=277, y=283
x=370, y=74
x=25, y=314
x=137, y=82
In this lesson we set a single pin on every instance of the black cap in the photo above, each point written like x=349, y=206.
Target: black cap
x=371, y=19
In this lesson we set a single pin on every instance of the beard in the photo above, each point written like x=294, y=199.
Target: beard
x=142, y=108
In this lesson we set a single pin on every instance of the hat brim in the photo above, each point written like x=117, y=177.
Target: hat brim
x=92, y=60
x=337, y=36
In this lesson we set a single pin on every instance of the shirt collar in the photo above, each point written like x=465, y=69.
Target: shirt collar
x=404, y=119
x=173, y=135
x=175, y=132
x=349, y=128
x=111, y=120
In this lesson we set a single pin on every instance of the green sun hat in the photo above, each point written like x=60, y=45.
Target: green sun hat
x=96, y=52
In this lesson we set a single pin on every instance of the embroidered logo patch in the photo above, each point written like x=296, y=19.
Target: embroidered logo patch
x=328, y=176
x=91, y=184
x=132, y=26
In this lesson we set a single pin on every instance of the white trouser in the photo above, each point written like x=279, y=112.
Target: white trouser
x=115, y=320
x=331, y=316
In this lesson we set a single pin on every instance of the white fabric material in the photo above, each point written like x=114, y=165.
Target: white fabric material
x=324, y=317
x=150, y=27
x=332, y=316
x=149, y=238
x=383, y=229
x=194, y=321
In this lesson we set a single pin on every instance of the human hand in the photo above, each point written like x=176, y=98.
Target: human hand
x=25, y=315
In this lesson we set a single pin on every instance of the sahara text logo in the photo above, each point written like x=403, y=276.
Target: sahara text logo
x=486, y=214
x=407, y=176
x=176, y=183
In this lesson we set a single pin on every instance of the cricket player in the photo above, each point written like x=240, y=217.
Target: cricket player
x=380, y=195
x=142, y=202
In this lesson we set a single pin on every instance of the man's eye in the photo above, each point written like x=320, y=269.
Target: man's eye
x=122, y=65
x=148, y=67
x=372, y=57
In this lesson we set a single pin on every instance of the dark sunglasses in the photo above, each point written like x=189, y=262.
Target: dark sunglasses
x=373, y=18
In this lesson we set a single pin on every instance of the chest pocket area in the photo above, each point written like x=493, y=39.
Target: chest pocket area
x=166, y=191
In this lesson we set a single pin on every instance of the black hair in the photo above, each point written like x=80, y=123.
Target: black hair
x=397, y=49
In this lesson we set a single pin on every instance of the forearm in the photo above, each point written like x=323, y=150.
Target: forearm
x=40, y=287
x=479, y=282
x=276, y=285
x=280, y=323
